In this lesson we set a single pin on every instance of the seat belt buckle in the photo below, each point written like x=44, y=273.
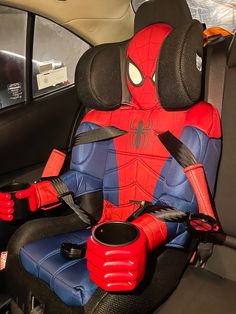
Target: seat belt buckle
x=140, y=210
x=73, y=250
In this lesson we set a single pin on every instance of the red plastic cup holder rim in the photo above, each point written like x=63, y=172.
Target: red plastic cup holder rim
x=115, y=233
x=14, y=187
x=21, y=206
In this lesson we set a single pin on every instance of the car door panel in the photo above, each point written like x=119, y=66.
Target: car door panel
x=29, y=132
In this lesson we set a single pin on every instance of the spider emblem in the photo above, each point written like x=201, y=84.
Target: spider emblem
x=140, y=135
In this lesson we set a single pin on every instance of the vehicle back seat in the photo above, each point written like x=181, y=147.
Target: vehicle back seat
x=212, y=289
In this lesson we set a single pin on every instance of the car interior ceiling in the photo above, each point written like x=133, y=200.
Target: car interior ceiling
x=87, y=18
x=206, y=288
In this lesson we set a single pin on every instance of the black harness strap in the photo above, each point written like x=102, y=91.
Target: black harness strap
x=181, y=153
x=100, y=134
x=66, y=196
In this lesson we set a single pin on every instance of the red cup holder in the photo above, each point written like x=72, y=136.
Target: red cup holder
x=21, y=206
x=116, y=233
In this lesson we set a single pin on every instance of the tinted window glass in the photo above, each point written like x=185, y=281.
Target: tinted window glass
x=56, y=52
x=211, y=12
x=214, y=12
x=12, y=56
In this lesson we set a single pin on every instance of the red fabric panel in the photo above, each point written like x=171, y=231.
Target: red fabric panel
x=206, y=118
x=46, y=194
x=197, y=178
x=154, y=229
x=54, y=164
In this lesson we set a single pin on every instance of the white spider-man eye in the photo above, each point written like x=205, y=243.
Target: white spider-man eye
x=154, y=77
x=135, y=75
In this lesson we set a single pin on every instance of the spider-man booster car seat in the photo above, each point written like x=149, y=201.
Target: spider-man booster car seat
x=163, y=73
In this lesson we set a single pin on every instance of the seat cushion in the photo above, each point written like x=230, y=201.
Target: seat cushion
x=201, y=291
x=68, y=278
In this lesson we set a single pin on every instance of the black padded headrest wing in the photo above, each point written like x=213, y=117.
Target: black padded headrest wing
x=98, y=77
x=172, y=12
x=179, y=67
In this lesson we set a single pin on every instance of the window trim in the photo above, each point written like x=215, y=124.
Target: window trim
x=29, y=57
x=24, y=102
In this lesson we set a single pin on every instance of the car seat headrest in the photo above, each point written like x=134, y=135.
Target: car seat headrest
x=98, y=77
x=174, y=55
x=171, y=12
x=179, y=67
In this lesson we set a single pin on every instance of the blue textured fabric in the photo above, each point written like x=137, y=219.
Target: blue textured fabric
x=176, y=191
x=69, y=279
x=110, y=181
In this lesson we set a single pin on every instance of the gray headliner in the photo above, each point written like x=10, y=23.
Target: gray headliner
x=97, y=21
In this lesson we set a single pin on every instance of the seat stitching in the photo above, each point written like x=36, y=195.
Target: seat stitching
x=60, y=269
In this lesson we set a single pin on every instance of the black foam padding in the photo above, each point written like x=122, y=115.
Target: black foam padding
x=98, y=77
x=172, y=12
x=178, y=80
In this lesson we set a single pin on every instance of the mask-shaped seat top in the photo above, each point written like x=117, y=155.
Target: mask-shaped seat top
x=142, y=55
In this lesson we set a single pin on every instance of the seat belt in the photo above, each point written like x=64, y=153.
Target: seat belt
x=217, y=41
x=100, y=134
x=193, y=170
x=214, y=92
x=57, y=158
x=67, y=196
x=182, y=154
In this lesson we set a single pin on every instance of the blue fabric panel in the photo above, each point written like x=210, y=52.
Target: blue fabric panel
x=159, y=189
x=73, y=285
x=88, y=163
x=111, y=180
x=176, y=190
x=86, y=157
x=80, y=183
x=69, y=279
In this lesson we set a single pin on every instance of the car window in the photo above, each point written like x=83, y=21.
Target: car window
x=211, y=12
x=214, y=12
x=13, y=25
x=56, y=52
